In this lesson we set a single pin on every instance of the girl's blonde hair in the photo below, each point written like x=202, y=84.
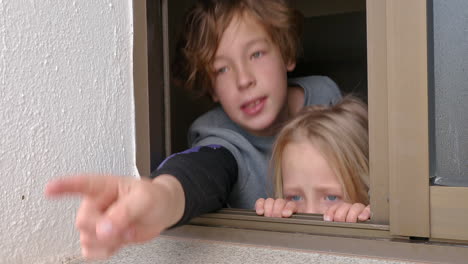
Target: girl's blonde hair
x=208, y=19
x=340, y=133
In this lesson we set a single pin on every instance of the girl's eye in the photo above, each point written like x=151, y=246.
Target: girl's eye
x=296, y=198
x=331, y=198
x=257, y=55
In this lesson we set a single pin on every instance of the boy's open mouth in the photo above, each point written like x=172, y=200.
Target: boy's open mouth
x=253, y=107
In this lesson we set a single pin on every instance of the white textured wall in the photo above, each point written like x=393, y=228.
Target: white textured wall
x=66, y=106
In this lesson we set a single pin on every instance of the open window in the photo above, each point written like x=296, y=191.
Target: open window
x=398, y=55
x=334, y=44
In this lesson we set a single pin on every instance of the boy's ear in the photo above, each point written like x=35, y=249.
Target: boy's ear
x=214, y=97
x=291, y=65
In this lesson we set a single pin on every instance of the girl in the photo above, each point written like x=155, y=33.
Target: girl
x=321, y=164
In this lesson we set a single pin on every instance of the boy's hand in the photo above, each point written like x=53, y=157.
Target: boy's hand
x=275, y=207
x=116, y=211
x=346, y=212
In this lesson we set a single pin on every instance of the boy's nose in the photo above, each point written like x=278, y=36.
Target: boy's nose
x=245, y=79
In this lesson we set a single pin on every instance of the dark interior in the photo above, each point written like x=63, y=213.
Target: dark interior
x=334, y=44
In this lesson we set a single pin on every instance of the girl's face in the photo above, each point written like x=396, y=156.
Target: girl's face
x=308, y=179
x=250, y=80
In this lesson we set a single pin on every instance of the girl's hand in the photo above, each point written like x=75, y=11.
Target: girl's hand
x=275, y=207
x=116, y=211
x=346, y=212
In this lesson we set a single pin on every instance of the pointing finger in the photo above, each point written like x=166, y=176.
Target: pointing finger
x=82, y=184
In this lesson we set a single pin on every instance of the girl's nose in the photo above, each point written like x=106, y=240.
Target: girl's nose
x=312, y=207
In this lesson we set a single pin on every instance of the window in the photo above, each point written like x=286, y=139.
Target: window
x=448, y=129
x=401, y=82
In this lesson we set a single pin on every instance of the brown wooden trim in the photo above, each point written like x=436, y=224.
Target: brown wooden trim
x=312, y=8
x=166, y=72
x=408, y=117
x=449, y=212
x=140, y=83
x=378, y=109
x=156, y=69
x=386, y=249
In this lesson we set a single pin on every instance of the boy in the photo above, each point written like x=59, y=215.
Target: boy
x=238, y=52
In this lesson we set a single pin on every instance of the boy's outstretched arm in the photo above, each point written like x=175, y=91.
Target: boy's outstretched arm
x=207, y=175
x=116, y=211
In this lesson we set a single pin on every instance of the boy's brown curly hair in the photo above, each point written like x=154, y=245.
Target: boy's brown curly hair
x=205, y=23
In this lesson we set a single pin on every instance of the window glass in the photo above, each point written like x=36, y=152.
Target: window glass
x=448, y=93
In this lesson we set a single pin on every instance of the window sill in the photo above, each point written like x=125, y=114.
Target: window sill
x=387, y=248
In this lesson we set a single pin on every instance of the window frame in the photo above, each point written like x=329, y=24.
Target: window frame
x=151, y=84
x=398, y=118
x=140, y=87
x=418, y=210
x=407, y=75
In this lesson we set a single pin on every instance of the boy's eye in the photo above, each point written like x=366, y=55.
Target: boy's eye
x=221, y=70
x=331, y=198
x=296, y=198
x=257, y=54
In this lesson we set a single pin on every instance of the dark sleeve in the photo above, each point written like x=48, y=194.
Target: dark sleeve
x=207, y=175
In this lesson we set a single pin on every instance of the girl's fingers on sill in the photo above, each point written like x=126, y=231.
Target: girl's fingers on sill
x=354, y=212
x=341, y=212
x=289, y=209
x=329, y=214
x=259, y=206
x=268, y=207
x=365, y=214
x=278, y=207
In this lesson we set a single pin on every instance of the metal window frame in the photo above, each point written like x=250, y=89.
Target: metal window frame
x=416, y=209
x=140, y=85
x=407, y=82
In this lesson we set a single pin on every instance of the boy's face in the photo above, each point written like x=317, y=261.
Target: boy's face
x=250, y=79
x=308, y=179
